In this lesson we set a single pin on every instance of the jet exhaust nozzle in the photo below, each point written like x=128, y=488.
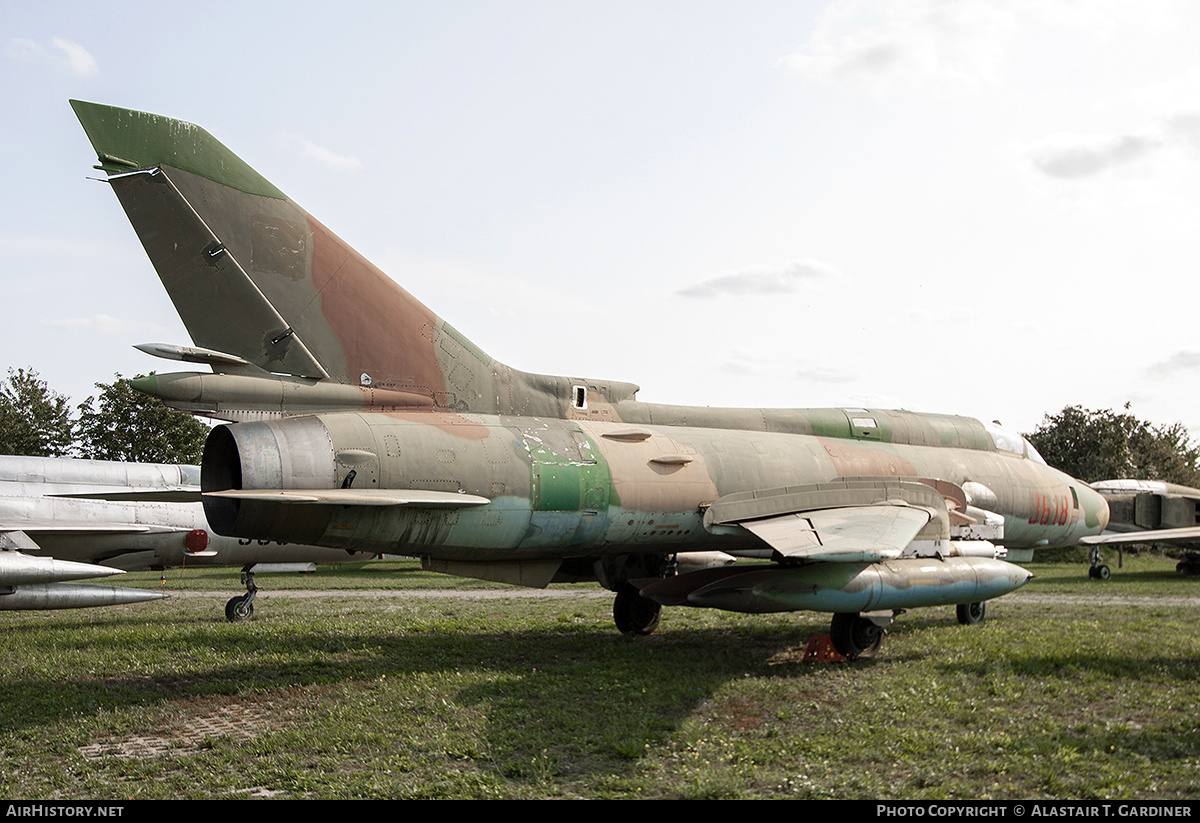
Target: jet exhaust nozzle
x=295, y=453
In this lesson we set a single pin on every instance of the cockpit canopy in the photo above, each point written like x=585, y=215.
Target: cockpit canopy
x=1007, y=441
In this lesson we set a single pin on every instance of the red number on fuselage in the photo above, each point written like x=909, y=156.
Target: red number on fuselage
x=1049, y=511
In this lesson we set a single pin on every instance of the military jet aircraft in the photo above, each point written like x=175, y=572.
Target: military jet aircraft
x=93, y=518
x=1148, y=511
x=368, y=422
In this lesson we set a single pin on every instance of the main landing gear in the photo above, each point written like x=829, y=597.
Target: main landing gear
x=242, y=607
x=971, y=613
x=858, y=636
x=634, y=615
x=1189, y=565
x=1097, y=570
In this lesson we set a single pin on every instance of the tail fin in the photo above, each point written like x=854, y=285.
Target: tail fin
x=255, y=276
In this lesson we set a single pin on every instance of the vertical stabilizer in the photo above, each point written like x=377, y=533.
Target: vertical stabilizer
x=254, y=276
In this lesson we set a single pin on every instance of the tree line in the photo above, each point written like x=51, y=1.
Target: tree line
x=117, y=423
x=1108, y=445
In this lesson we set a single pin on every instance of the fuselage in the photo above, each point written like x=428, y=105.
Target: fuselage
x=577, y=487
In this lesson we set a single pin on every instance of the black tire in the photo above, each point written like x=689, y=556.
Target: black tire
x=635, y=615
x=971, y=613
x=1103, y=573
x=237, y=609
x=1189, y=565
x=854, y=636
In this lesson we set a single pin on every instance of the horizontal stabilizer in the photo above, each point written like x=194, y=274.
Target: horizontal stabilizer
x=355, y=497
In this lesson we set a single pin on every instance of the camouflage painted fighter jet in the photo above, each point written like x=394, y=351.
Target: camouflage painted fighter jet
x=390, y=431
x=63, y=519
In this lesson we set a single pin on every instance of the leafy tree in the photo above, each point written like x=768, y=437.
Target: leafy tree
x=34, y=420
x=124, y=424
x=1105, y=445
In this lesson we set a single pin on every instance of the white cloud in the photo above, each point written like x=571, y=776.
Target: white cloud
x=1182, y=361
x=78, y=58
x=946, y=44
x=62, y=54
x=906, y=43
x=329, y=159
x=782, y=280
x=1067, y=156
x=1073, y=156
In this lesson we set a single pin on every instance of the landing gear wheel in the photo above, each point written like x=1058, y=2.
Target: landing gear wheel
x=1097, y=571
x=238, y=609
x=971, y=613
x=635, y=615
x=242, y=608
x=855, y=636
x=1189, y=565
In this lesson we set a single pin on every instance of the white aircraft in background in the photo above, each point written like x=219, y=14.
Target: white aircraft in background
x=63, y=520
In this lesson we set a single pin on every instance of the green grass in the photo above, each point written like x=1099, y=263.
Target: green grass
x=1072, y=689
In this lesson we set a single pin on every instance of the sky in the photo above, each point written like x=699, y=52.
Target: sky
x=974, y=207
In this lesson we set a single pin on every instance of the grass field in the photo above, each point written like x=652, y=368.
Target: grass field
x=372, y=682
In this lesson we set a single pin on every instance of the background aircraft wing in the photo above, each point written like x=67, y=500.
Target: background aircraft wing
x=29, y=528
x=1188, y=534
